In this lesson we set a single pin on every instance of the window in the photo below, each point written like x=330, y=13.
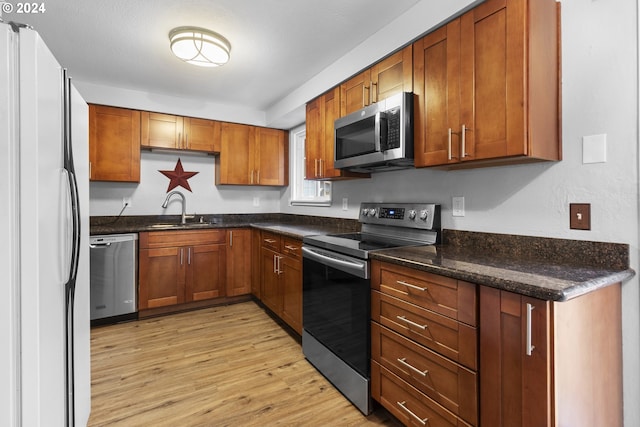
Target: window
x=303, y=191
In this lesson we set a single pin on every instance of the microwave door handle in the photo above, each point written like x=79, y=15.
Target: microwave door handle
x=377, y=133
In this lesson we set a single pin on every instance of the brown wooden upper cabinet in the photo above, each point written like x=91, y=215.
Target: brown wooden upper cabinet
x=487, y=87
x=114, y=144
x=180, y=133
x=319, y=144
x=252, y=155
x=387, y=77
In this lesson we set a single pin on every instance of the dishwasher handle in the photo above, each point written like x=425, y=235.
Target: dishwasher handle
x=99, y=245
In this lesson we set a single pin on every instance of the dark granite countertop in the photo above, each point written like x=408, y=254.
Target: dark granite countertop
x=544, y=268
x=298, y=231
x=295, y=226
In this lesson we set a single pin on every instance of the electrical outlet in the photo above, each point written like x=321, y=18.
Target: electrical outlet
x=126, y=202
x=458, y=206
x=345, y=204
x=256, y=201
x=580, y=216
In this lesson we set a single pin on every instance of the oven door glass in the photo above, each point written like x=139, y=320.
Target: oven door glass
x=336, y=312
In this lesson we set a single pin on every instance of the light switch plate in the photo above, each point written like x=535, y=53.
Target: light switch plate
x=594, y=149
x=580, y=216
x=458, y=206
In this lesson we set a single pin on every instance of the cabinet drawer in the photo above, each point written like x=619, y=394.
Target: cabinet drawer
x=450, y=297
x=271, y=241
x=455, y=340
x=291, y=247
x=159, y=239
x=446, y=382
x=407, y=403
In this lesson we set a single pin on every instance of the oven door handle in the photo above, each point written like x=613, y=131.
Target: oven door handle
x=354, y=267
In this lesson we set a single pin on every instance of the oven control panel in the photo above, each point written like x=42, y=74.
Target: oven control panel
x=410, y=215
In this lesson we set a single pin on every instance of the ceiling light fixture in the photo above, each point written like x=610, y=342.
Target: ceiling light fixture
x=199, y=46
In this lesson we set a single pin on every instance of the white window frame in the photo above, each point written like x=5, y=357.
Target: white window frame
x=299, y=185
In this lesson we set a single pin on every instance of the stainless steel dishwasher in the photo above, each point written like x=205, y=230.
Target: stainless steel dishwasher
x=114, y=281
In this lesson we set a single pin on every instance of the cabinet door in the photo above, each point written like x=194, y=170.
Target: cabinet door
x=202, y=135
x=314, y=142
x=238, y=262
x=291, y=287
x=355, y=93
x=270, y=293
x=493, y=79
x=256, y=282
x=271, y=157
x=437, y=103
x=162, y=130
x=234, y=164
x=392, y=75
x=330, y=112
x=515, y=368
x=162, y=277
x=114, y=144
x=205, y=272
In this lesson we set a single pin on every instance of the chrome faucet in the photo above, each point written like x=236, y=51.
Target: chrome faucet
x=184, y=205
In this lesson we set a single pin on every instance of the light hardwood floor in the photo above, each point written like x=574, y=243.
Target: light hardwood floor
x=222, y=366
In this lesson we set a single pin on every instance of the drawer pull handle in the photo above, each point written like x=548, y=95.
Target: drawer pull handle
x=291, y=248
x=409, y=285
x=408, y=365
x=420, y=420
x=269, y=240
x=404, y=319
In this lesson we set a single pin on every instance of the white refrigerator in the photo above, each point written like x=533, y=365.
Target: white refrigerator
x=44, y=251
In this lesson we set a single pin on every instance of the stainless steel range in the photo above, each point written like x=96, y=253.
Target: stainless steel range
x=337, y=290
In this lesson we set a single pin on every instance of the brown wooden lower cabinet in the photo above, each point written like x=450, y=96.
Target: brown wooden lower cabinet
x=238, y=262
x=180, y=266
x=548, y=363
x=513, y=361
x=424, y=346
x=281, y=277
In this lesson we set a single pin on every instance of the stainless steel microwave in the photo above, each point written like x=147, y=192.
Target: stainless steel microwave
x=377, y=137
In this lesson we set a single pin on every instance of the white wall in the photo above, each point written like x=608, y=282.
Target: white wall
x=600, y=95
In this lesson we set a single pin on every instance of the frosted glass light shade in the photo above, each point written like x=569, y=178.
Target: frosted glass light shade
x=199, y=46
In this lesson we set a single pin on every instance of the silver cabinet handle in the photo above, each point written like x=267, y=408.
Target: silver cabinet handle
x=269, y=240
x=181, y=255
x=275, y=264
x=409, y=285
x=321, y=170
x=404, y=319
x=251, y=178
x=413, y=368
x=374, y=92
x=230, y=238
x=189, y=256
x=530, y=346
x=449, y=144
x=291, y=248
x=463, y=154
x=417, y=418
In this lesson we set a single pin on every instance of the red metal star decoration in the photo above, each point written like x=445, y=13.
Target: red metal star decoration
x=178, y=177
